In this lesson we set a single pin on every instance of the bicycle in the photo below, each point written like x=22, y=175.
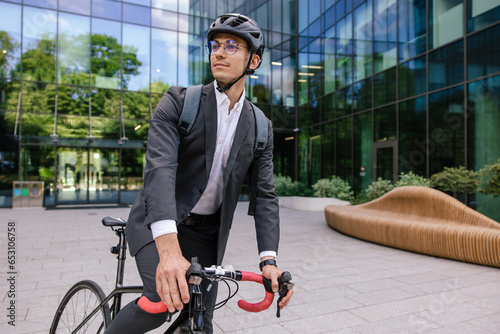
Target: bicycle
x=85, y=307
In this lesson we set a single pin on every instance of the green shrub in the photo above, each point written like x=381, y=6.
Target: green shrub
x=412, y=179
x=378, y=188
x=455, y=180
x=489, y=179
x=333, y=187
x=285, y=186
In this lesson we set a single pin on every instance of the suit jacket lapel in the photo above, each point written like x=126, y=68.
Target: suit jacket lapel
x=242, y=129
x=208, y=106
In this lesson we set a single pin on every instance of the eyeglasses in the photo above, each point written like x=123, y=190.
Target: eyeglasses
x=230, y=47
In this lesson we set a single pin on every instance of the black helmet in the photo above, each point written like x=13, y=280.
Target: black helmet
x=241, y=26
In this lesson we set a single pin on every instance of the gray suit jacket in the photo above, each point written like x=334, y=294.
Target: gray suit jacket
x=177, y=172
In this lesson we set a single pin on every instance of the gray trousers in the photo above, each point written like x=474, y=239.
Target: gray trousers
x=200, y=241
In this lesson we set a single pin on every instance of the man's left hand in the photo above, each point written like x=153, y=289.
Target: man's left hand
x=272, y=273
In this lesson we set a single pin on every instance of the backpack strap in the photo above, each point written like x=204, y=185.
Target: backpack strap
x=261, y=129
x=189, y=110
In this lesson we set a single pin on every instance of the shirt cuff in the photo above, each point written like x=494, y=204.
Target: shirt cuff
x=162, y=227
x=267, y=253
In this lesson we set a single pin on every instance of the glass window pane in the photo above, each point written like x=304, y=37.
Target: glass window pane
x=384, y=30
x=38, y=97
x=79, y=7
x=482, y=13
x=164, y=19
x=39, y=44
x=105, y=102
x=9, y=95
x=412, y=28
x=10, y=40
x=363, y=146
x=412, y=78
x=412, y=136
x=343, y=102
x=446, y=129
x=483, y=53
x=329, y=61
x=106, y=54
x=446, y=66
x=385, y=127
x=344, y=149
x=36, y=125
x=41, y=3
x=139, y=2
x=136, y=40
x=165, y=4
x=344, y=51
x=107, y=9
x=74, y=49
x=136, y=14
x=446, y=21
x=362, y=95
x=135, y=105
x=164, y=54
x=363, y=45
x=72, y=100
x=384, y=87
x=183, y=62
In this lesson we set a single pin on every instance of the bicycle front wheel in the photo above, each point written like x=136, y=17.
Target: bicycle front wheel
x=78, y=303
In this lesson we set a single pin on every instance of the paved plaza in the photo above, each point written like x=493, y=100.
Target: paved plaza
x=343, y=285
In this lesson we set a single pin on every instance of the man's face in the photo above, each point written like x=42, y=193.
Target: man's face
x=226, y=68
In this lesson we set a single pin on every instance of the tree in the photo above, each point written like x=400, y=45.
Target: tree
x=455, y=180
x=7, y=48
x=489, y=179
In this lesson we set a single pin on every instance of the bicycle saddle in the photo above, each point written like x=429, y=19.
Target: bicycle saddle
x=113, y=221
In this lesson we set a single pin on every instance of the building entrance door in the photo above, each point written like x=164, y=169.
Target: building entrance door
x=87, y=175
x=385, y=160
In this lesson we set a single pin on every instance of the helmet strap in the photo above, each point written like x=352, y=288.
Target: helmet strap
x=247, y=71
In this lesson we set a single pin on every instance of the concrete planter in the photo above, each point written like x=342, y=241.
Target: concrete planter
x=309, y=203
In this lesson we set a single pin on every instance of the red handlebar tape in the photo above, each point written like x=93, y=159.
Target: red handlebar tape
x=152, y=307
x=160, y=307
x=256, y=307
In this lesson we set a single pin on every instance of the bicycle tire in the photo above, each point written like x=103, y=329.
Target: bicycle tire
x=77, y=304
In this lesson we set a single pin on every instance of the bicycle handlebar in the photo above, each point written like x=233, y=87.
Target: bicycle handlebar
x=218, y=272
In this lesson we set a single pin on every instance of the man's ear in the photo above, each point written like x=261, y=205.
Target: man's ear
x=255, y=62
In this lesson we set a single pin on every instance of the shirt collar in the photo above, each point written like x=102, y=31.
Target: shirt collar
x=222, y=97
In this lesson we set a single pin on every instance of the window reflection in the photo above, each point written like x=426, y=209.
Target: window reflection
x=344, y=51
x=412, y=28
x=163, y=57
x=79, y=7
x=135, y=105
x=363, y=143
x=136, y=14
x=362, y=44
x=412, y=136
x=446, y=129
x=135, y=57
x=446, y=21
x=105, y=102
x=412, y=78
x=329, y=56
x=384, y=30
x=10, y=40
x=106, y=54
x=39, y=44
x=107, y=9
x=446, y=66
x=73, y=100
x=38, y=97
x=385, y=127
x=74, y=48
x=483, y=53
x=482, y=13
x=9, y=94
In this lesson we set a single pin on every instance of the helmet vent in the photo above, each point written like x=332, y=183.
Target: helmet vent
x=255, y=35
x=238, y=21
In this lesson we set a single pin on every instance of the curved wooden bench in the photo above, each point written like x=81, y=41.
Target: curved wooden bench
x=422, y=220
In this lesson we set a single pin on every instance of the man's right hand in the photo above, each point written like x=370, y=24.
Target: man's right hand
x=171, y=282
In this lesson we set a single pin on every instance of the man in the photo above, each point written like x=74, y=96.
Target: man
x=192, y=184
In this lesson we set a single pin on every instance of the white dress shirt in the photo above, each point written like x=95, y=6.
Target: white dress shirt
x=211, y=199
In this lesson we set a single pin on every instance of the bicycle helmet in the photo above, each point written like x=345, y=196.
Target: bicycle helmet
x=243, y=27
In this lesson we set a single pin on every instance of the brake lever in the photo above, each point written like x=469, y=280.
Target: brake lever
x=285, y=283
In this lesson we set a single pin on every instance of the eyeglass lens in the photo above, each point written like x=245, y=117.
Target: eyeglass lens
x=230, y=47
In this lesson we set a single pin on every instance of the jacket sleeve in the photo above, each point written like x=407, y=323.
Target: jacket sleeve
x=266, y=213
x=161, y=158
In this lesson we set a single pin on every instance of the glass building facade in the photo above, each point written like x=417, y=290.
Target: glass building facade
x=356, y=88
